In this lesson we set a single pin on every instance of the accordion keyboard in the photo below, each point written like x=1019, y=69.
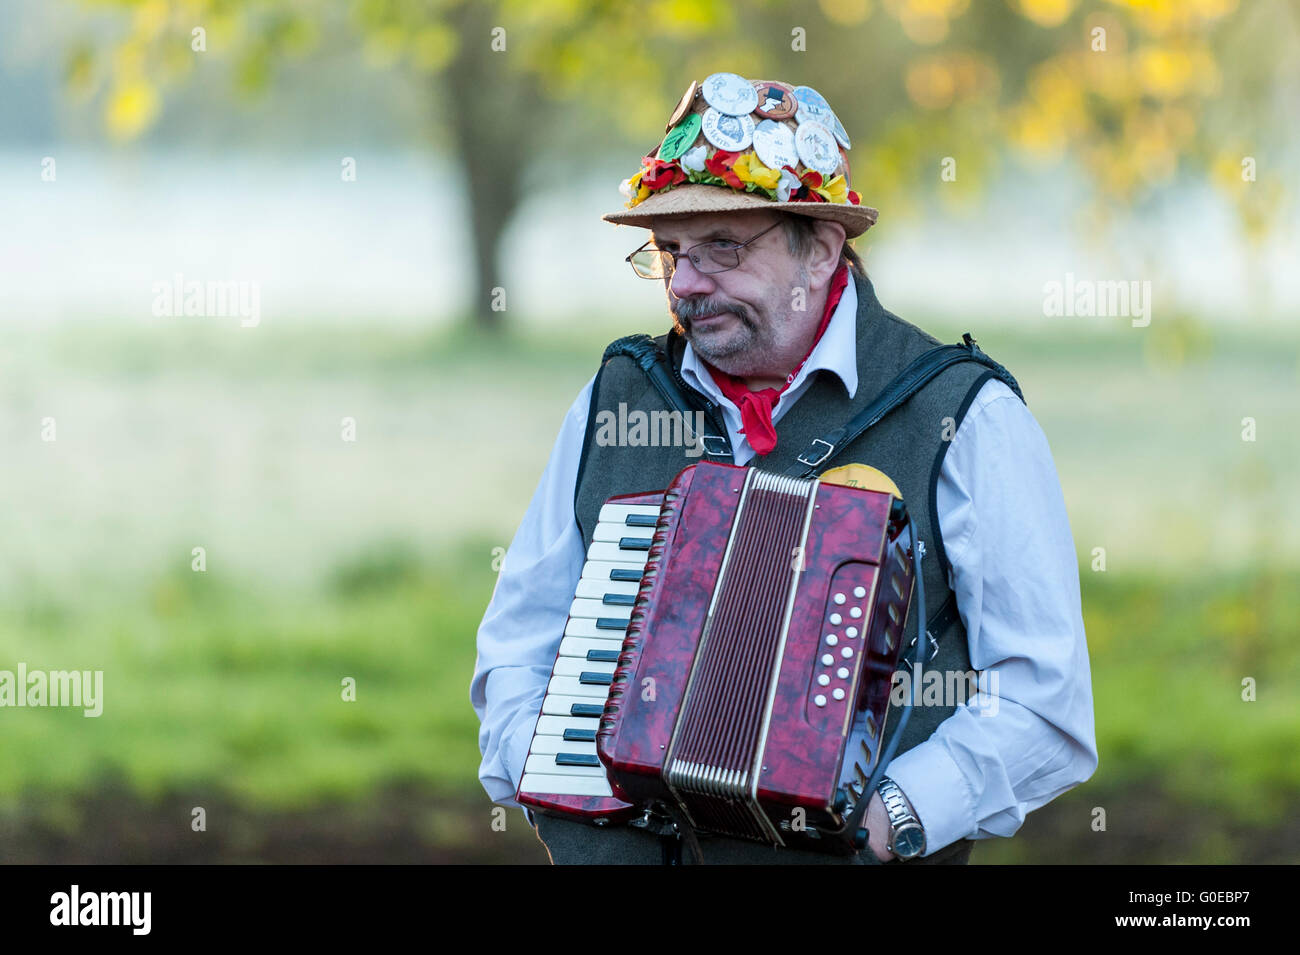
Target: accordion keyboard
x=562, y=758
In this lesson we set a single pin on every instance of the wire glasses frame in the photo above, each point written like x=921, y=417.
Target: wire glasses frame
x=718, y=255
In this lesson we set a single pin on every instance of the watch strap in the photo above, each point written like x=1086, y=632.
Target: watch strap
x=897, y=808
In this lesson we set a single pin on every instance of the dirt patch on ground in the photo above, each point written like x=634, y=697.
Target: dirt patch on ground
x=399, y=826
x=409, y=825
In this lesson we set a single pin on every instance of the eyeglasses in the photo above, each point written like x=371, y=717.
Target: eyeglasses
x=719, y=255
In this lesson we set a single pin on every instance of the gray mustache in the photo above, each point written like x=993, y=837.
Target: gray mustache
x=686, y=310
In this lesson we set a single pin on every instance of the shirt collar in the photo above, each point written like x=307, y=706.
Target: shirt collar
x=836, y=352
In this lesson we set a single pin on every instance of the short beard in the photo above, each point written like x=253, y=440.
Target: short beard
x=686, y=310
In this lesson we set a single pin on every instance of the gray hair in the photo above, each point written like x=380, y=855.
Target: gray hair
x=799, y=231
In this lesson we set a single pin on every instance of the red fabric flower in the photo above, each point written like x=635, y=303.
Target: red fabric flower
x=807, y=195
x=720, y=165
x=812, y=179
x=660, y=174
x=854, y=198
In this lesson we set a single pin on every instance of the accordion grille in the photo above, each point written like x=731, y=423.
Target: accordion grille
x=720, y=734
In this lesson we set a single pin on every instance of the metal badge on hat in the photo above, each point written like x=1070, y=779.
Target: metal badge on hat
x=684, y=105
x=814, y=108
x=730, y=94
x=774, y=144
x=817, y=148
x=680, y=138
x=728, y=132
x=775, y=100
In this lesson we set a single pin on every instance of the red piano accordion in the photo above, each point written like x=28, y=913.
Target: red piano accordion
x=728, y=659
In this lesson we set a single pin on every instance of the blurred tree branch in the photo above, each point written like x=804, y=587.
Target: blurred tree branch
x=1132, y=92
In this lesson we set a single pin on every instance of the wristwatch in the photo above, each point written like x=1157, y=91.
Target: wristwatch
x=906, y=837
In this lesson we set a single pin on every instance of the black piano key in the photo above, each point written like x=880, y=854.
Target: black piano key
x=635, y=543
x=611, y=623
x=576, y=759
x=580, y=736
x=620, y=600
x=624, y=573
x=595, y=679
x=642, y=520
x=602, y=656
x=587, y=709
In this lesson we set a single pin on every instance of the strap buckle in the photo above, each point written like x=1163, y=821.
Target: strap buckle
x=934, y=650
x=718, y=449
x=830, y=449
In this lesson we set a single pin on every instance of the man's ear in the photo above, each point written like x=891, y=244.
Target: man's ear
x=827, y=245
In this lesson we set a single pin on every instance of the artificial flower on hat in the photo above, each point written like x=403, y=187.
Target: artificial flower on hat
x=720, y=164
x=633, y=190
x=788, y=183
x=659, y=174
x=749, y=168
x=693, y=159
x=835, y=191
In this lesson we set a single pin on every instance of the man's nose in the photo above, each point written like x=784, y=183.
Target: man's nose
x=687, y=280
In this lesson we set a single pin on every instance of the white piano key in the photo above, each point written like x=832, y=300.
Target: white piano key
x=545, y=763
x=558, y=744
x=569, y=686
x=542, y=784
x=556, y=725
x=609, y=550
x=596, y=589
x=578, y=646
x=575, y=666
x=594, y=609
x=599, y=569
x=559, y=705
x=617, y=513
x=616, y=532
x=586, y=627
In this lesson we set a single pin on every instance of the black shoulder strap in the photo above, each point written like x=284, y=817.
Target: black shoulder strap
x=909, y=381
x=651, y=360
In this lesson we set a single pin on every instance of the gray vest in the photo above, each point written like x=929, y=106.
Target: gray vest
x=908, y=445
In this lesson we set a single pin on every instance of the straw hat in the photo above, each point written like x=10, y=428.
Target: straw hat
x=734, y=144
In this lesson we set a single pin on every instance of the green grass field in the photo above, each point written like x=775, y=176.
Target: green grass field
x=373, y=560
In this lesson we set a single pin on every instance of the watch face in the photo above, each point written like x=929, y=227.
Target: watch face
x=908, y=842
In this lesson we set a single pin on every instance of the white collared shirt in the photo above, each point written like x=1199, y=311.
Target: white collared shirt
x=1014, y=572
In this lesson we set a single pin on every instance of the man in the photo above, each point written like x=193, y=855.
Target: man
x=779, y=340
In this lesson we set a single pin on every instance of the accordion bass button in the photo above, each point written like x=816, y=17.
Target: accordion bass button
x=819, y=700
x=831, y=639
x=840, y=598
x=838, y=693
x=824, y=680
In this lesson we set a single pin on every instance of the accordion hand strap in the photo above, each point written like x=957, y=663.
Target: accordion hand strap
x=855, y=820
x=909, y=381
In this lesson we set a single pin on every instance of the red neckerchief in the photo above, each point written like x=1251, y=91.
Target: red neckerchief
x=756, y=406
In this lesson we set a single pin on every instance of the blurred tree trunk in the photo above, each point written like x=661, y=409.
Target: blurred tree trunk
x=495, y=115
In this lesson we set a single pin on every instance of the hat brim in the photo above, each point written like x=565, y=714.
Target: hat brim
x=694, y=198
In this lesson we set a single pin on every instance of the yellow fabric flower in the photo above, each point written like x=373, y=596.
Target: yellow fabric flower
x=837, y=190
x=749, y=168
x=633, y=189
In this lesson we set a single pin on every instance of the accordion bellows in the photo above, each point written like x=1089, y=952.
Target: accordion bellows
x=751, y=683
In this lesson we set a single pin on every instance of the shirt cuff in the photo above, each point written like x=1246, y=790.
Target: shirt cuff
x=939, y=793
